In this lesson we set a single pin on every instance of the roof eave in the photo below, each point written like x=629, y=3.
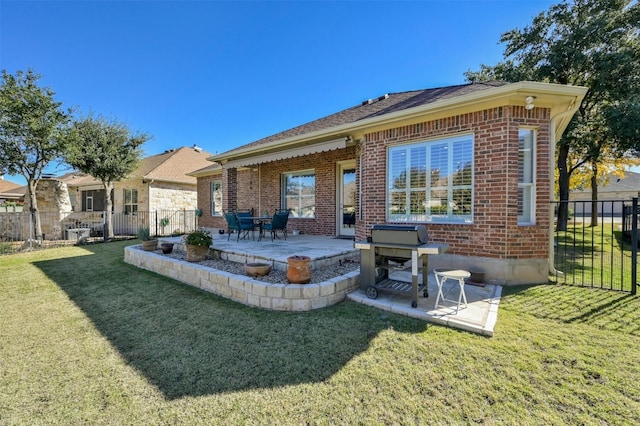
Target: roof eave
x=559, y=98
x=204, y=173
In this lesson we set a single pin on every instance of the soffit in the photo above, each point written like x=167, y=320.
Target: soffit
x=299, y=151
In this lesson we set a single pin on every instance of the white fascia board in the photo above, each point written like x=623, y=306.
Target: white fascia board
x=520, y=89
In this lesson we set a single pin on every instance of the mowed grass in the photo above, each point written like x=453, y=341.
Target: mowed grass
x=595, y=256
x=88, y=339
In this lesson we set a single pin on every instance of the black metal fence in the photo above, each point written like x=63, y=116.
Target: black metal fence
x=602, y=254
x=17, y=229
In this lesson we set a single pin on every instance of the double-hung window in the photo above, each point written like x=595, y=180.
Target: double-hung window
x=431, y=181
x=526, y=187
x=216, y=198
x=130, y=197
x=299, y=193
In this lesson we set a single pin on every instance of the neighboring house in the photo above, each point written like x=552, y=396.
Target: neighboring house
x=613, y=188
x=11, y=192
x=473, y=162
x=159, y=183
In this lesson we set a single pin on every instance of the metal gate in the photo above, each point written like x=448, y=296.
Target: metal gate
x=602, y=254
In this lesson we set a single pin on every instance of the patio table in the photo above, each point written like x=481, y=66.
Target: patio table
x=260, y=220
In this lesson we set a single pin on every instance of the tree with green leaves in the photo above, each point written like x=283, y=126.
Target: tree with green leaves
x=592, y=43
x=32, y=131
x=106, y=150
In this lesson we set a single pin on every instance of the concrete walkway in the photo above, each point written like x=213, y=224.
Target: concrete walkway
x=480, y=316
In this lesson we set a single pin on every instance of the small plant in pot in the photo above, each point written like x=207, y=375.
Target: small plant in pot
x=197, y=245
x=163, y=223
x=144, y=235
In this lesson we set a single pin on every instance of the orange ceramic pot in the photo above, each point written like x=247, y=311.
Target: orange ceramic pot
x=298, y=269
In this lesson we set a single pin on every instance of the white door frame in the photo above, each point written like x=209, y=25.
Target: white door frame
x=341, y=229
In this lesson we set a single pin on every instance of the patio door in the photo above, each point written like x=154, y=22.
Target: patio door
x=347, y=196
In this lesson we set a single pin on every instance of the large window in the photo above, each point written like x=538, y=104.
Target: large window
x=130, y=197
x=431, y=181
x=216, y=198
x=299, y=193
x=93, y=200
x=526, y=191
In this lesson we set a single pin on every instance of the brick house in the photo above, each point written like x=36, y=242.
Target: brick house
x=472, y=162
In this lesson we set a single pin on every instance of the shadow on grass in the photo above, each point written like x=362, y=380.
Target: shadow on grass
x=190, y=343
x=602, y=261
x=604, y=309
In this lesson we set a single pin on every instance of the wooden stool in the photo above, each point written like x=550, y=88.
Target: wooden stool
x=442, y=275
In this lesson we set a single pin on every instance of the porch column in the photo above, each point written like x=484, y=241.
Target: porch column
x=230, y=188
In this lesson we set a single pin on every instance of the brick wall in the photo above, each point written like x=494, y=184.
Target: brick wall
x=259, y=188
x=204, y=203
x=325, y=166
x=494, y=232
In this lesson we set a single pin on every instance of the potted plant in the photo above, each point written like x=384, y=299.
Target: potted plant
x=197, y=245
x=144, y=235
x=163, y=223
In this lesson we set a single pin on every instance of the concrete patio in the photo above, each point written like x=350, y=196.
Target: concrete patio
x=480, y=316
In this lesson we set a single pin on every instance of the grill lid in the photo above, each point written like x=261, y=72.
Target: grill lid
x=399, y=234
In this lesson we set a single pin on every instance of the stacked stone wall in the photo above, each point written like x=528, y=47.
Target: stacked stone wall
x=244, y=289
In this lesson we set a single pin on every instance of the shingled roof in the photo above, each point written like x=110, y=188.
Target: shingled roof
x=376, y=107
x=173, y=165
x=5, y=185
x=11, y=190
x=169, y=166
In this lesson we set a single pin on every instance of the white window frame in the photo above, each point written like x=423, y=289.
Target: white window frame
x=214, y=211
x=128, y=201
x=299, y=208
x=526, y=176
x=423, y=154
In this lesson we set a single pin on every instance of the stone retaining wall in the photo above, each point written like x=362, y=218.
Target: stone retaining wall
x=244, y=289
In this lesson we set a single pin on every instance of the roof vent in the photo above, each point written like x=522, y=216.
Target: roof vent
x=378, y=99
x=196, y=148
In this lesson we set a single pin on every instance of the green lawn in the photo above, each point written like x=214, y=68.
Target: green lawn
x=595, y=256
x=88, y=339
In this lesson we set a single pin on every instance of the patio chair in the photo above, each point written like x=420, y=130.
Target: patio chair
x=234, y=223
x=246, y=218
x=278, y=223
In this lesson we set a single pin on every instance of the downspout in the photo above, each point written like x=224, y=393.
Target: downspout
x=149, y=204
x=552, y=171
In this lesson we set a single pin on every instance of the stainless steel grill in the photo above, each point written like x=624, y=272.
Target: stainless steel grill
x=411, y=235
x=389, y=248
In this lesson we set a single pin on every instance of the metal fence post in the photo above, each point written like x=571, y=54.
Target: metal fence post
x=634, y=246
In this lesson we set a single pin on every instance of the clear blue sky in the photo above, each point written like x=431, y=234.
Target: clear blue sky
x=222, y=74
